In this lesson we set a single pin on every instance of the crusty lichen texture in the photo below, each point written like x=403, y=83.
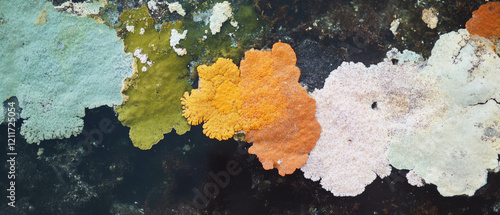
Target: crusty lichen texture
x=152, y=108
x=265, y=101
x=262, y=79
x=57, y=65
x=358, y=109
x=286, y=141
x=217, y=101
x=458, y=148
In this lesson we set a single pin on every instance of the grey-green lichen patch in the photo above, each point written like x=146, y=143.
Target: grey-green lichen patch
x=451, y=153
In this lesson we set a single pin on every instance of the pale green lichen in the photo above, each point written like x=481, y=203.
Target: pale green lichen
x=58, y=68
x=457, y=149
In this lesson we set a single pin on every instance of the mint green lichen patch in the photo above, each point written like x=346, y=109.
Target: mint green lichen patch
x=58, y=67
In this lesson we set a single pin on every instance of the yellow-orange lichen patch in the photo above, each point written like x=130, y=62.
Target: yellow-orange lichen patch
x=285, y=142
x=262, y=99
x=216, y=101
x=485, y=21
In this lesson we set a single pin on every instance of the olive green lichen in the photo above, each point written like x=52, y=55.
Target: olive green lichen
x=153, y=106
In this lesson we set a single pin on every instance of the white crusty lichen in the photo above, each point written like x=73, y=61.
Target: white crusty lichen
x=143, y=58
x=176, y=6
x=152, y=5
x=130, y=28
x=414, y=179
x=82, y=9
x=358, y=109
x=175, y=37
x=139, y=55
x=172, y=7
x=221, y=12
x=405, y=56
x=458, y=148
x=439, y=119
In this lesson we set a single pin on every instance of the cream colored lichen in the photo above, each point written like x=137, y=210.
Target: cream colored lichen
x=430, y=17
x=174, y=41
x=359, y=108
x=176, y=7
x=221, y=12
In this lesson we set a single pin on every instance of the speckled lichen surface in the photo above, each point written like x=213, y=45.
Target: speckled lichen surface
x=405, y=93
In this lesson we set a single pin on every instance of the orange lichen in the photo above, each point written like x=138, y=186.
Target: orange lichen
x=265, y=100
x=485, y=21
x=260, y=83
x=217, y=100
x=285, y=142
